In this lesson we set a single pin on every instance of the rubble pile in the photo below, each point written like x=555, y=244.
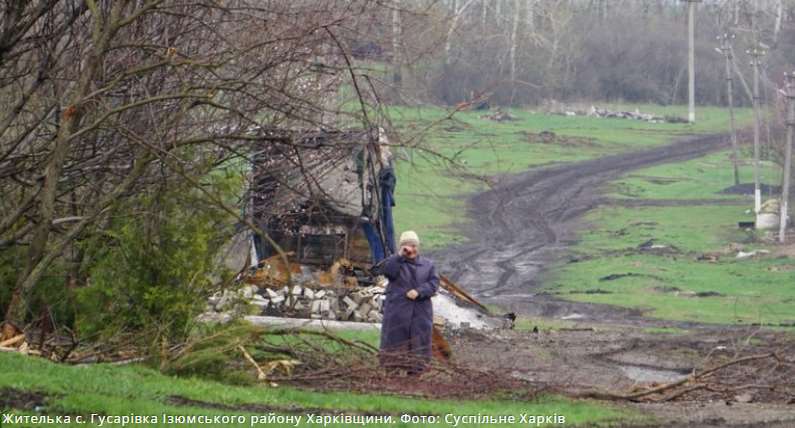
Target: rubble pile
x=594, y=111
x=275, y=293
x=362, y=304
x=636, y=115
x=344, y=292
x=499, y=116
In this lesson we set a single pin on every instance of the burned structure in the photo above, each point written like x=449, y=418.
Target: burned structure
x=323, y=195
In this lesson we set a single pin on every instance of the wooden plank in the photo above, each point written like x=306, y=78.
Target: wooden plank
x=459, y=292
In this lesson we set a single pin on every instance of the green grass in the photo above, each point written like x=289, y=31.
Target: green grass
x=701, y=178
x=691, y=228
x=369, y=337
x=430, y=199
x=431, y=192
x=524, y=323
x=664, y=285
x=124, y=390
x=666, y=330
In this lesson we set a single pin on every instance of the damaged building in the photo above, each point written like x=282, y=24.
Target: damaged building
x=326, y=198
x=323, y=196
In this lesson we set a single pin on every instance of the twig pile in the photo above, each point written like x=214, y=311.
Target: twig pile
x=335, y=363
x=767, y=377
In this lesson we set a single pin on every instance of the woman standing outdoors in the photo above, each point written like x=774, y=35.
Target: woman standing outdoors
x=407, y=328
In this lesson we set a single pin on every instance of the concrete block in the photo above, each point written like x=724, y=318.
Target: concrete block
x=246, y=292
x=357, y=297
x=364, y=309
x=350, y=303
x=260, y=303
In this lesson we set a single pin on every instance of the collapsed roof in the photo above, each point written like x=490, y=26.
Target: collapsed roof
x=324, y=189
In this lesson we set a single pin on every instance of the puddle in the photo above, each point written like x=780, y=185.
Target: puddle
x=648, y=374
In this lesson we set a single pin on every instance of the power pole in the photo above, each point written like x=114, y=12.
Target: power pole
x=397, y=30
x=691, y=59
x=725, y=49
x=790, y=93
x=756, y=60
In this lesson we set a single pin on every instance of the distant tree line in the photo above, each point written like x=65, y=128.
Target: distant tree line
x=527, y=51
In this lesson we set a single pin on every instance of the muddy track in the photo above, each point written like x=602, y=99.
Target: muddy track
x=526, y=222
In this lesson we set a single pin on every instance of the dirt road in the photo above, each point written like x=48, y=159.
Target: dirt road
x=524, y=226
x=527, y=221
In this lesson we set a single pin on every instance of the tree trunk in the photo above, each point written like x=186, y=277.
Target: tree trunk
x=484, y=12
x=451, y=31
x=777, y=25
x=691, y=62
x=782, y=232
x=397, y=30
x=530, y=15
x=69, y=123
x=514, y=42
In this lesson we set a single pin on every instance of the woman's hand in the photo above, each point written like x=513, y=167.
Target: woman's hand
x=412, y=294
x=408, y=251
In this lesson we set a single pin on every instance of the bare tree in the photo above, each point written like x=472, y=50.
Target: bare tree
x=112, y=99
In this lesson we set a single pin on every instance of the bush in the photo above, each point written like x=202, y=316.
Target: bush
x=152, y=272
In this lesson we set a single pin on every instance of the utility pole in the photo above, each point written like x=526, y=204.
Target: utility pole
x=397, y=30
x=726, y=50
x=756, y=60
x=691, y=59
x=790, y=93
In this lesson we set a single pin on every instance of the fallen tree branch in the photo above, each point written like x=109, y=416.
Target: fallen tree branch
x=638, y=396
x=13, y=341
x=260, y=374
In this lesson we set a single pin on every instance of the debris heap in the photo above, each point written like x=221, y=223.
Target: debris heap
x=344, y=292
x=306, y=301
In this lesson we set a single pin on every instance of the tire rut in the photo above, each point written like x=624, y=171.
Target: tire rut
x=525, y=223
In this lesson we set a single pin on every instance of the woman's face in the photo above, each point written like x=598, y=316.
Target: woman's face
x=409, y=250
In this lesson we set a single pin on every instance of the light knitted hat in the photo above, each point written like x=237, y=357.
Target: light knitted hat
x=409, y=237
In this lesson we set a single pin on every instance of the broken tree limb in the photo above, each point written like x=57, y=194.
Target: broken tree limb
x=260, y=374
x=680, y=393
x=638, y=396
x=13, y=341
x=455, y=289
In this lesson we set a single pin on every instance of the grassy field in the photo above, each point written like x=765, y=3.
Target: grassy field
x=672, y=285
x=679, y=282
x=113, y=390
x=430, y=192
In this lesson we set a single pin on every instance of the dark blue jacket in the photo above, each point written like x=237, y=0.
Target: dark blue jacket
x=408, y=324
